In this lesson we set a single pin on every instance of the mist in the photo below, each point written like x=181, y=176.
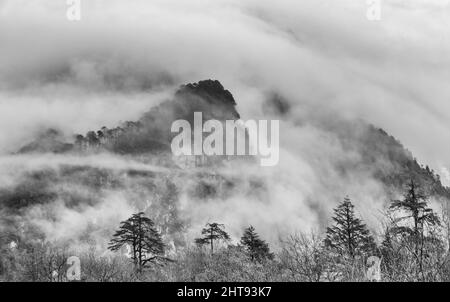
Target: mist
x=324, y=57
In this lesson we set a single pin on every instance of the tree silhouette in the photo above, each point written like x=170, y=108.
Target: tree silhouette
x=414, y=204
x=256, y=248
x=140, y=234
x=92, y=139
x=212, y=232
x=348, y=236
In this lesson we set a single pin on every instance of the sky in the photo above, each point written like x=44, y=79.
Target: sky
x=324, y=56
x=100, y=70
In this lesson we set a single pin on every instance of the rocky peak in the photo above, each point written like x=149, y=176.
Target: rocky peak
x=210, y=90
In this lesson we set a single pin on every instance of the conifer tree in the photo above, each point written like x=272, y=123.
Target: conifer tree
x=414, y=204
x=140, y=234
x=212, y=232
x=256, y=248
x=348, y=236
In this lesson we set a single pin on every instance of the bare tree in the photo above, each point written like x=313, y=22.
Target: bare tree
x=304, y=257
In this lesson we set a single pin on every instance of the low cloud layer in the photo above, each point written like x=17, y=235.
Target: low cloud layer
x=324, y=57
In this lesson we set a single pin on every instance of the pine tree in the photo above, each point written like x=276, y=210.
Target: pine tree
x=256, y=248
x=145, y=241
x=348, y=236
x=414, y=203
x=212, y=232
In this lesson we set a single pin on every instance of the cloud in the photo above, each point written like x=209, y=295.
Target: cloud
x=392, y=73
x=445, y=176
x=324, y=57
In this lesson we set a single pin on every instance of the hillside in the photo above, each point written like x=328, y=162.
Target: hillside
x=379, y=152
x=95, y=169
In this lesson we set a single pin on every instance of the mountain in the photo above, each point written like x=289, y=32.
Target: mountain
x=151, y=133
x=50, y=141
x=157, y=184
x=379, y=152
x=392, y=164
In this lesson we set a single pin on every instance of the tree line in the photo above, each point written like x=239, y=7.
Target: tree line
x=411, y=246
x=139, y=234
x=410, y=234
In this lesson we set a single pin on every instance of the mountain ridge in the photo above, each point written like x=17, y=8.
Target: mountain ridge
x=392, y=163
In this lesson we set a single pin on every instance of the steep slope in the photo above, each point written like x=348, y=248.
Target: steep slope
x=132, y=167
x=151, y=133
x=377, y=152
x=389, y=161
x=393, y=164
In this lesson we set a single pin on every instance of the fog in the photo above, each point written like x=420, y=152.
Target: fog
x=324, y=57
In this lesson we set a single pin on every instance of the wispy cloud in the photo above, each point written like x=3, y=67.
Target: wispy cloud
x=324, y=57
